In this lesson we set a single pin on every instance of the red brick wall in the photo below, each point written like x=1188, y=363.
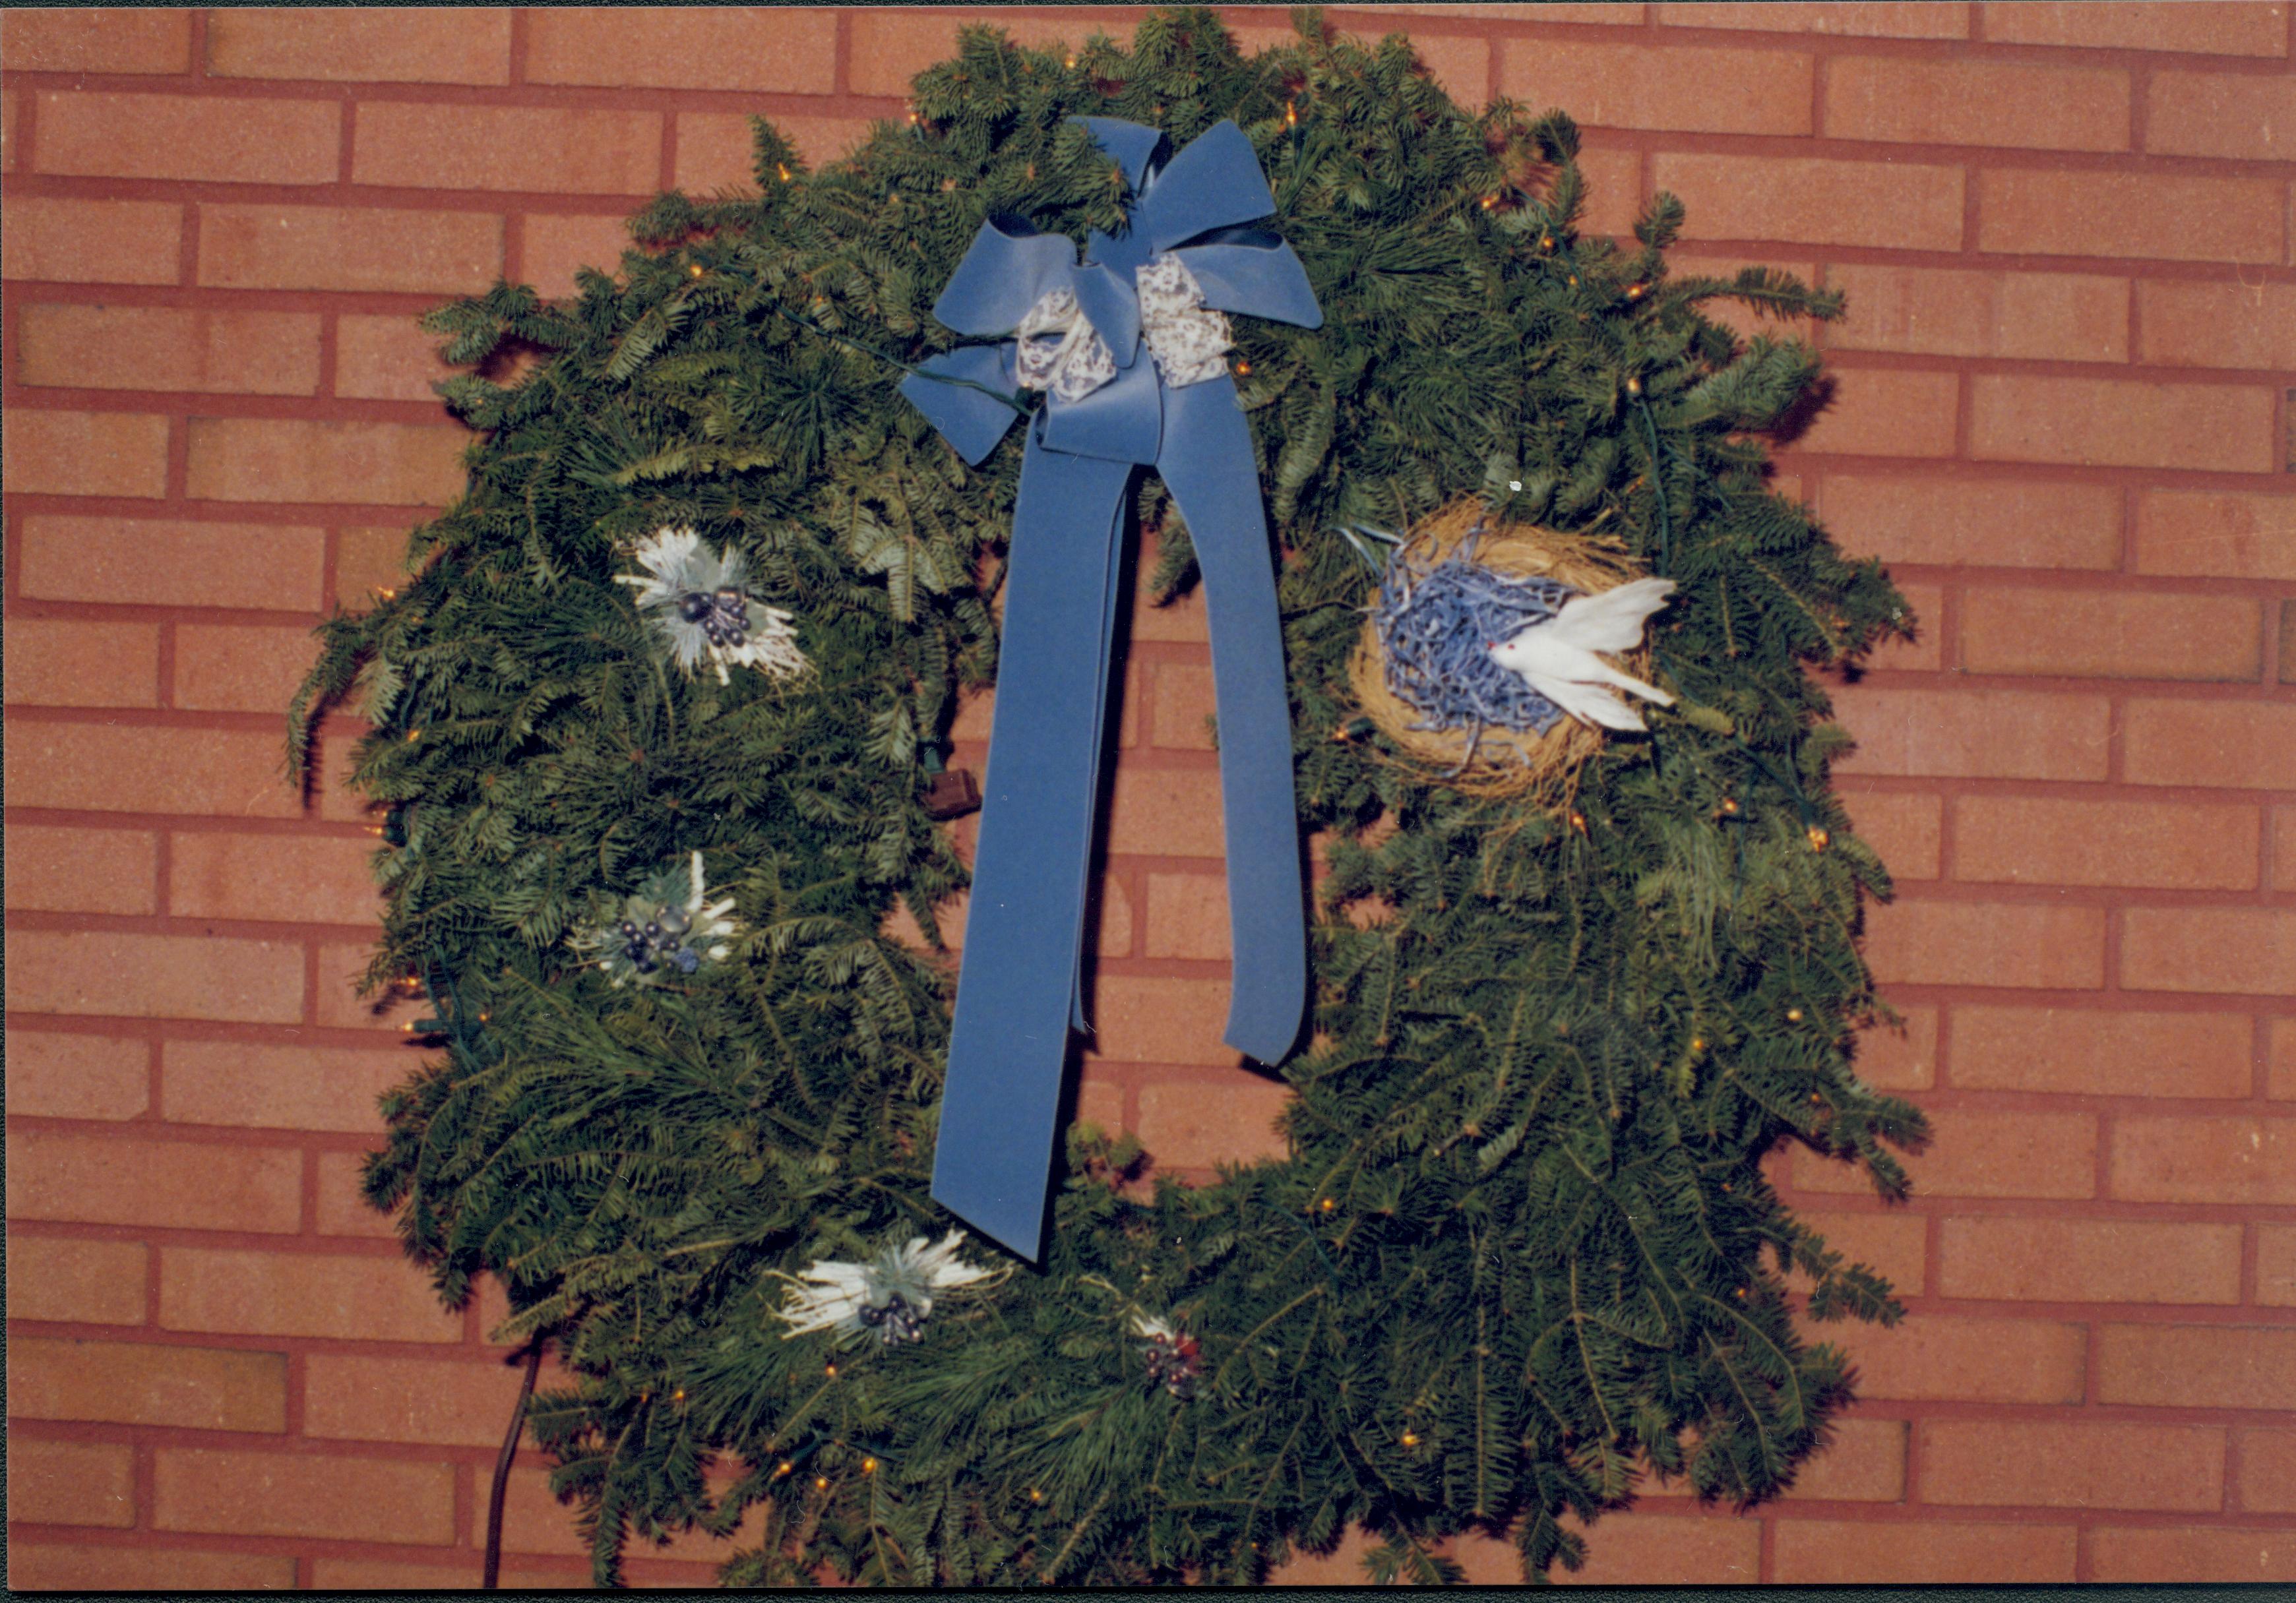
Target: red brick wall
x=2063, y=418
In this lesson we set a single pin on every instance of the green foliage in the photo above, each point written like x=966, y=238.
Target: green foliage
x=1522, y=1235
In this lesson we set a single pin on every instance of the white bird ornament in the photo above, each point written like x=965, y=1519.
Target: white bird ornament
x=1555, y=657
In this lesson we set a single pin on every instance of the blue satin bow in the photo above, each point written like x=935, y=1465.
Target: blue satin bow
x=1019, y=988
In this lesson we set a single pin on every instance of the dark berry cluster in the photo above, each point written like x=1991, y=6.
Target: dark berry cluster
x=1173, y=1362
x=894, y=1321
x=724, y=615
x=660, y=940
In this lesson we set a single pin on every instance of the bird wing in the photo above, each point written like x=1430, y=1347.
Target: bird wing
x=1587, y=703
x=1611, y=621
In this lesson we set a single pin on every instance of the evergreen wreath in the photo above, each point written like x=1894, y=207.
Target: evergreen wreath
x=1522, y=1239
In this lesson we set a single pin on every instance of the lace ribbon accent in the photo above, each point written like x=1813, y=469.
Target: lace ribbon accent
x=1059, y=351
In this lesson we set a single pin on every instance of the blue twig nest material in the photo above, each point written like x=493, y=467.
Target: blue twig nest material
x=1424, y=672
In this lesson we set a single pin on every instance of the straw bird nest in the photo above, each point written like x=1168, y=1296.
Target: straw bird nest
x=1451, y=714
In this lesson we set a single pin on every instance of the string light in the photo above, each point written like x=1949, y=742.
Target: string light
x=1698, y=1043
x=414, y=735
x=783, y=167
x=1327, y=1204
x=868, y=1466
x=1729, y=807
x=1291, y=115
x=1410, y=1438
x=1489, y=202
x=1577, y=821
x=1633, y=387
x=695, y=269
x=1793, y=1015
x=832, y=1371
x=1243, y=369
x=386, y=593
x=1818, y=838
x=679, y=1394
x=1035, y=1496
x=821, y=1483
x=784, y=1467
x=1634, y=291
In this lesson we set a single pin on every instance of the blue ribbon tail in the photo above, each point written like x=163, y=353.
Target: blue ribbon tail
x=970, y=421
x=1016, y=991
x=1207, y=463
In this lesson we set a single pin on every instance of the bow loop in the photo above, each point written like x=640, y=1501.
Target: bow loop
x=1214, y=182
x=1007, y=269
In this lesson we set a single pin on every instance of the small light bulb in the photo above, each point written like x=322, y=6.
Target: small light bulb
x=679, y=1394
x=414, y=735
x=783, y=167
x=696, y=269
x=868, y=1466
x=1291, y=115
x=1515, y=484
x=1243, y=368
x=1577, y=821
x=1634, y=291
x=784, y=1467
x=1633, y=387
x=1327, y=1204
x=1410, y=1438
x=1698, y=1043
x=1793, y=1015
x=833, y=1370
x=386, y=593
x=1490, y=201
x=1035, y=1496
x=1730, y=807
x=821, y=1483
x=1818, y=838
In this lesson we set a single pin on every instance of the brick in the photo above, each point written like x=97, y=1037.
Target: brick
x=2004, y=103
x=1981, y=1153
x=1196, y=1124
x=71, y=1483
x=295, y=878
x=64, y=39
x=1187, y=916
x=2217, y=326
x=1974, y=523
x=2237, y=744
x=894, y=44
x=53, y=662
x=1865, y=19
x=1166, y=811
x=457, y=1404
x=739, y=47
x=235, y=669
x=155, y=977
x=2228, y=535
x=362, y=1297
x=2036, y=211
x=716, y=150
x=1813, y=1551
x=1975, y=734
x=1893, y=1245
x=2197, y=1366
x=2281, y=1055
x=410, y=145
x=1633, y=86
x=387, y=359
x=366, y=560
x=1160, y=1020
x=1745, y=321
x=1887, y=413
x=352, y=249
x=156, y=348
x=174, y=1184
x=148, y=770
x=1987, y=943
x=2250, y=1162
x=2267, y=1470
x=202, y=138
x=536, y=1522
x=2093, y=1052
x=2088, y=1261
x=1907, y=206
x=84, y=454
x=2103, y=422
x=1614, y=190
x=280, y=459
x=2078, y=1466
x=166, y=563
x=9, y=141
x=401, y=46
x=1183, y=706
x=2240, y=950
x=2237, y=117
x=1903, y=828
x=1947, y=1357
x=90, y=241
x=1864, y=1461
x=2283, y=822
x=147, y=1383
x=80, y=1282
x=2276, y=1267
x=1654, y=1550
x=303, y=1495
x=2030, y=841
x=2212, y=27
x=555, y=246
x=341, y=968
x=342, y=1208
x=1952, y=312
x=2172, y=1553
x=59, y=1076
x=48, y=1566
x=1890, y=1060
x=278, y=1087
x=1343, y=1565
